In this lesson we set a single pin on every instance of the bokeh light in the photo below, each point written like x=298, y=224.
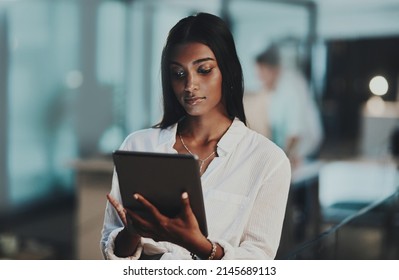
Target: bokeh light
x=378, y=85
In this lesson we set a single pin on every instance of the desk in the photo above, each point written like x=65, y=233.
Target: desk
x=94, y=178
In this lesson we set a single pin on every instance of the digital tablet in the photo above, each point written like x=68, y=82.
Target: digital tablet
x=161, y=179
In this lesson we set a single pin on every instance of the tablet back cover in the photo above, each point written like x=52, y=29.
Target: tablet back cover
x=161, y=179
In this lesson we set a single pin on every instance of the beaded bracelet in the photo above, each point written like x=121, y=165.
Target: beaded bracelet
x=213, y=253
x=211, y=256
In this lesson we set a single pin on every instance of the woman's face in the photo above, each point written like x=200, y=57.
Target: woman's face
x=196, y=79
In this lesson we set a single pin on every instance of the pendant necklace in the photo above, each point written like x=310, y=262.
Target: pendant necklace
x=202, y=161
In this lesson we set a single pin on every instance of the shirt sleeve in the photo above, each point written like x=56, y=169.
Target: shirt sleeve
x=112, y=223
x=262, y=233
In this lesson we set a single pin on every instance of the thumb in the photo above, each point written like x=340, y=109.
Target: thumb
x=186, y=204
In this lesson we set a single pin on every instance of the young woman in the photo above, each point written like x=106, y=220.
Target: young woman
x=245, y=177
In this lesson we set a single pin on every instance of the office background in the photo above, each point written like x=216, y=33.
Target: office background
x=77, y=76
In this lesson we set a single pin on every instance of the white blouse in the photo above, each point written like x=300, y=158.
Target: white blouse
x=245, y=193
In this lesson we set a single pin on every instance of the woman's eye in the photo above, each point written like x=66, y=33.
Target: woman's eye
x=178, y=74
x=204, y=70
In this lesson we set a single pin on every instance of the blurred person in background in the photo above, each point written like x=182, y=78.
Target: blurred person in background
x=293, y=119
x=245, y=177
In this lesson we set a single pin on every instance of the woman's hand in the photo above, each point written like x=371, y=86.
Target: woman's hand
x=127, y=240
x=182, y=230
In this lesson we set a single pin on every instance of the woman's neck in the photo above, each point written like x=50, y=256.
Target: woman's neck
x=205, y=129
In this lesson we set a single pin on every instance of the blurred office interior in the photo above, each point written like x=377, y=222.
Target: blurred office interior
x=77, y=76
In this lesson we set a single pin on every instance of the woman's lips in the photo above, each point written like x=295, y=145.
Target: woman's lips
x=194, y=100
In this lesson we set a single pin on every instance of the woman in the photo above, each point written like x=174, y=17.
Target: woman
x=245, y=177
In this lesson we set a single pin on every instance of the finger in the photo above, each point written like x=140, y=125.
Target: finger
x=115, y=203
x=150, y=207
x=186, y=204
x=138, y=222
x=112, y=200
x=118, y=207
x=130, y=225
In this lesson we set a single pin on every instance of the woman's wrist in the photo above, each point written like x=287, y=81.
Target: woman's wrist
x=207, y=250
x=126, y=243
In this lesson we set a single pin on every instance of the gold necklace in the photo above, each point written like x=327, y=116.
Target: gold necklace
x=200, y=160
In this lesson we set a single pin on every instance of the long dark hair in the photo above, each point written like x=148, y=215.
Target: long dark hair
x=212, y=31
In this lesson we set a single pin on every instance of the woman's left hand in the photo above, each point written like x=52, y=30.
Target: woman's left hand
x=182, y=230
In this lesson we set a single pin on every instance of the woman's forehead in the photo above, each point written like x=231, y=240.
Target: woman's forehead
x=190, y=52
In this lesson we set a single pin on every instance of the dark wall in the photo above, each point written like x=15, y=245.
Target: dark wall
x=350, y=66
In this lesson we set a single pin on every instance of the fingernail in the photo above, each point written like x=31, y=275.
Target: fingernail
x=136, y=196
x=184, y=195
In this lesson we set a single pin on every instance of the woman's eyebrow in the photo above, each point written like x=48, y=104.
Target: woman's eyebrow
x=195, y=61
x=202, y=60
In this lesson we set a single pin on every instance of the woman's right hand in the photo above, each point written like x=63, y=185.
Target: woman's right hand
x=127, y=240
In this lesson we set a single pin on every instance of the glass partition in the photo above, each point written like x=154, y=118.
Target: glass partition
x=368, y=234
x=42, y=80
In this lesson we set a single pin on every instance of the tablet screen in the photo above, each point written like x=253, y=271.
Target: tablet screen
x=161, y=179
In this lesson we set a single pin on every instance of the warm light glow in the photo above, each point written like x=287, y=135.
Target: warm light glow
x=376, y=106
x=378, y=85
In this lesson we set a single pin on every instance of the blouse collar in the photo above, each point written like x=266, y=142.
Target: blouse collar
x=226, y=144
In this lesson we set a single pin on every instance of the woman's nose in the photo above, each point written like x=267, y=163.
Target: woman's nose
x=191, y=83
